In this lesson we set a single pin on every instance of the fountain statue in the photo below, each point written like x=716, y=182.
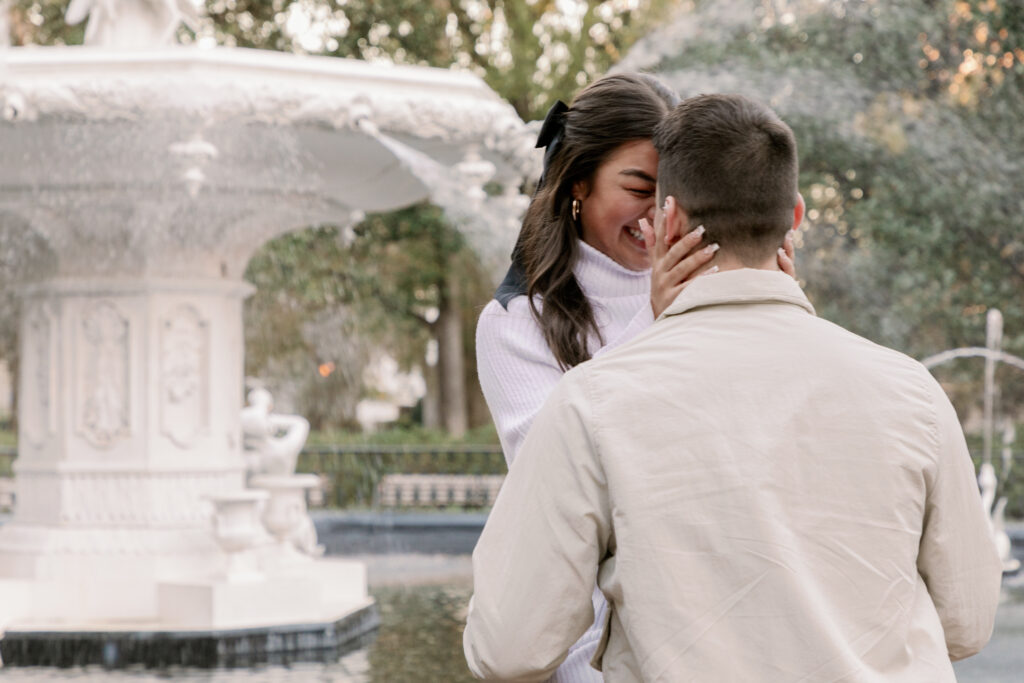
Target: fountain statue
x=988, y=482
x=132, y=23
x=273, y=442
x=135, y=185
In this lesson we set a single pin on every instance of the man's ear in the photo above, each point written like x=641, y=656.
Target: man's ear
x=677, y=223
x=798, y=211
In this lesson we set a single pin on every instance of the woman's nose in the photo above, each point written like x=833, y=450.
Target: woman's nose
x=650, y=212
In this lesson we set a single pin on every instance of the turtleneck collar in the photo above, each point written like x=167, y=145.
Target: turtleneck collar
x=604, y=278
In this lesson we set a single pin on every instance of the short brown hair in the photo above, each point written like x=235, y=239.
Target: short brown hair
x=731, y=164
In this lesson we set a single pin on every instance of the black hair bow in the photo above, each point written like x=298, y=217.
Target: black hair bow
x=550, y=137
x=551, y=133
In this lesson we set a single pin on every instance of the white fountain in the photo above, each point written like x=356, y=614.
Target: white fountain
x=149, y=177
x=988, y=482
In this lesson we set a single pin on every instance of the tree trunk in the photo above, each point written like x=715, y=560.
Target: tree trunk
x=450, y=361
x=432, y=397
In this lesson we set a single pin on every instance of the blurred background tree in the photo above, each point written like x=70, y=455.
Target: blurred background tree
x=906, y=118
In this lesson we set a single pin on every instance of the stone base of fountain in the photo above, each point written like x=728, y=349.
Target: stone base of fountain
x=311, y=592
x=261, y=599
x=304, y=610
x=227, y=647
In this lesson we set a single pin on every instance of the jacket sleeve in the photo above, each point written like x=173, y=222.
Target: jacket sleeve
x=958, y=559
x=536, y=562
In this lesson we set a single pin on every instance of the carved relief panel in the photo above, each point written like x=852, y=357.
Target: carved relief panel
x=104, y=374
x=184, y=375
x=39, y=401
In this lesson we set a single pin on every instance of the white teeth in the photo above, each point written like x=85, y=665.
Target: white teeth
x=635, y=232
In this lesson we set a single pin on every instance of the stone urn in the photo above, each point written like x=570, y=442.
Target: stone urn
x=237, y=529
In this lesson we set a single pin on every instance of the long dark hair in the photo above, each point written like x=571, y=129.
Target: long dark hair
x=608, y=113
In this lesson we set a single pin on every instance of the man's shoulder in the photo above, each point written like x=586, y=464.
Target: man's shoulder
x=856, y=343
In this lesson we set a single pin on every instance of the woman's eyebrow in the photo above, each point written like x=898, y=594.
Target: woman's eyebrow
x=637, y=173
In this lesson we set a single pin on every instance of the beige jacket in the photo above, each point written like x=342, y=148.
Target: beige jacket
x=762, y=496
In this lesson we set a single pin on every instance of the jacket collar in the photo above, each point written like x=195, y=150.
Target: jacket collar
x=743, y=286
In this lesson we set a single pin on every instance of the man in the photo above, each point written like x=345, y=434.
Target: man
x=760, y=494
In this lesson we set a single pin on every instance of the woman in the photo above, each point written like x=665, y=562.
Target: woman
x=581, y=280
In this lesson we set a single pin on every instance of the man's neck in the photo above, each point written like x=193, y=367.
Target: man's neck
x=726, y=261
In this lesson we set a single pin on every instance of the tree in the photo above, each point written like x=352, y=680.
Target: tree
x=531, y=53
x=906, y=117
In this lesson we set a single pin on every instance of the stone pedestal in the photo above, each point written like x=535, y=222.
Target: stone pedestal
x=129, y=421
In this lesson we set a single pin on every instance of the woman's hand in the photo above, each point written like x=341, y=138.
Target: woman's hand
x=787, y=255
x=674, y=265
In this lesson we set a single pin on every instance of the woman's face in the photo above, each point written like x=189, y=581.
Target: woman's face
x=620, y=194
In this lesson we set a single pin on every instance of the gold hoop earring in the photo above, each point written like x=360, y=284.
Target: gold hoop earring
x=576, y=204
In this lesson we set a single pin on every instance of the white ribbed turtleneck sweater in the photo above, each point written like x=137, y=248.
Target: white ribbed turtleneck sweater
x=517, y=371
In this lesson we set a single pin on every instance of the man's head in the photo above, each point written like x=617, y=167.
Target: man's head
x=731, y=165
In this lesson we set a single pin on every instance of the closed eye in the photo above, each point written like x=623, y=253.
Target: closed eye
x=640, y=192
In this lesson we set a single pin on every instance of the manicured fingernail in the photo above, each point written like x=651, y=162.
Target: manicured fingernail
x=643, y=223
x=782, y=252
x=711, y=248
x=712, y=269
x=700, y=230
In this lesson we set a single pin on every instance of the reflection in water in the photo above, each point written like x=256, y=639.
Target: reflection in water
x=420, y=635
x=420, y=640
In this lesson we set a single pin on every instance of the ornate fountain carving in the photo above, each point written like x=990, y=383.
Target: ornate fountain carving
x=104, y=376
x=40, y=369
x=184, y=375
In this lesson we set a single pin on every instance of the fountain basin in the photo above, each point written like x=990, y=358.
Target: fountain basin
x=183, y=161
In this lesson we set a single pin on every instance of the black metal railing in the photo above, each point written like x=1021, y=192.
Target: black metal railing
x=352, y=472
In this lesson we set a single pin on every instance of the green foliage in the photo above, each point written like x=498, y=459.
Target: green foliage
x=907, y=119
x=41, y=22
x=380, y=281
x=410, y=435
x=530, y=52
x=387, y=271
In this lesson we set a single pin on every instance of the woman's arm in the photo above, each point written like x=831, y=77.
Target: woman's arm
x=517, y=370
